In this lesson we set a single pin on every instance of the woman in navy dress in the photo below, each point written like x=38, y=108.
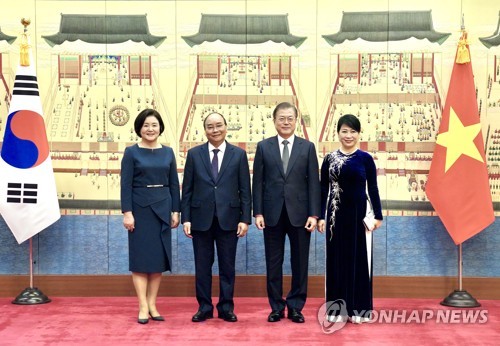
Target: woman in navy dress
x=346, y=175
x=150, y=202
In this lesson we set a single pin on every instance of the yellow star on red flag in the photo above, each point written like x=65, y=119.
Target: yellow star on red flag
x=459, y=140
x=458, y=186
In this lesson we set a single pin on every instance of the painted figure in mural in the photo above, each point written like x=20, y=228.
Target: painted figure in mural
x=286, y=201
x=150, y=203
x=346, y=175
x=216, y=208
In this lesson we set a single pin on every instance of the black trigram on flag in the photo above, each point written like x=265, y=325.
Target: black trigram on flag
x=22, y=193
x=26, y=85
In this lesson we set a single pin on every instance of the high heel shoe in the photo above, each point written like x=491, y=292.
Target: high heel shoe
x=142, y=320
x=158, y=318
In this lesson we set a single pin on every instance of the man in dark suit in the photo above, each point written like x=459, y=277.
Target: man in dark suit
x=216, y=207
x=286, y=201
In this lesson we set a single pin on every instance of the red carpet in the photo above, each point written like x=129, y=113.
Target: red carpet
x=112, y=321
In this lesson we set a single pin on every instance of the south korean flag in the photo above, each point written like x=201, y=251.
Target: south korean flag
x=28, y=195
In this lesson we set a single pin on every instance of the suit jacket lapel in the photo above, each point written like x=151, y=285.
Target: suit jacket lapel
x=228, y=154
x=275, y=152
x=297, y=147
x=205, y=158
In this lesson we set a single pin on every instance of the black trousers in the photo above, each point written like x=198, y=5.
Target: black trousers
x=274, y=243
x=203, y=244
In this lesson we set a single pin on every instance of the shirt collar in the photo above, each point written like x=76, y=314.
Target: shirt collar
x=290, y=140
x=221, y=147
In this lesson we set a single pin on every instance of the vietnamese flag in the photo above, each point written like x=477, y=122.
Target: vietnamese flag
x=458, y=186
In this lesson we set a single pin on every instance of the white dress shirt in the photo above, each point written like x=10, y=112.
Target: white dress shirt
x=290, y=144
x=220, y=154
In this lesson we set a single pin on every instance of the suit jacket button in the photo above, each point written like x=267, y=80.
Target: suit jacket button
x=215, y=187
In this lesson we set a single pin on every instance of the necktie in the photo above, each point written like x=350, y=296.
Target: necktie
x=286, y=155
x=215, y=164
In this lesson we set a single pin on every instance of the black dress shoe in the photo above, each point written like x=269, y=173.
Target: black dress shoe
x=201, y=316
x=228, y=316
x=142, y=320
x=157, y=318
x=275, y=316
x=296, y=316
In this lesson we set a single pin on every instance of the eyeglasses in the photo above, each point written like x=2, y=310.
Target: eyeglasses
x=286, y=119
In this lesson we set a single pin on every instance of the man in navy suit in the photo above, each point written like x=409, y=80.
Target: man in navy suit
x=286, y=201
x=216, y=207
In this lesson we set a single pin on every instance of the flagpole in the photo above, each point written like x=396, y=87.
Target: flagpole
x=460, y=298
x=31, y=295
x=453, y=165
x=31, y=262
x=460, y=267
x=26, y=88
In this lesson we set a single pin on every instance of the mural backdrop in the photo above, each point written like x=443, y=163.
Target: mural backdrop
x=100, y=62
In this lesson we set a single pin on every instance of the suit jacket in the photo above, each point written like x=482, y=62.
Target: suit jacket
x=298, y=188
x=139, y=170
x=230, y=193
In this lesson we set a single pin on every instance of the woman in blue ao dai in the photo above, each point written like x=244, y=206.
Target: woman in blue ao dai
x=348, y=178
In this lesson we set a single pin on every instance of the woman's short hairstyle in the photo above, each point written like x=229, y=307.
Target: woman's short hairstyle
x=285, y=105
x=349, y=120
x=141, y=118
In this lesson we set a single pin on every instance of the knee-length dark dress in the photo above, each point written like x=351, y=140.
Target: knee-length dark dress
x=345, y=180
x=150, y=189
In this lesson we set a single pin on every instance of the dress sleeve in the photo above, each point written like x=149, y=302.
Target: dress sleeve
x=371, y=179
x=174, y=185
x=126, y=180
x=325, y=186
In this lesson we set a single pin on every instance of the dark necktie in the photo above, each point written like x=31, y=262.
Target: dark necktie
x=215, y=164
x=286, y=155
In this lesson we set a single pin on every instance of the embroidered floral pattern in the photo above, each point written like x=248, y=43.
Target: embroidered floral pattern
x=336, y=160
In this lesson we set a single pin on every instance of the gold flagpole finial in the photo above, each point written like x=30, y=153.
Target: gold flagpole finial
x=25, y=57
x=25, y=22
x=463, y=54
